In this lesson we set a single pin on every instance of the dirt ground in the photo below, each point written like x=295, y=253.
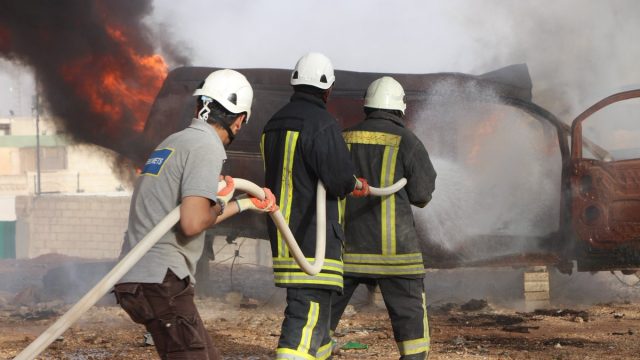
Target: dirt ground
x=244, y=315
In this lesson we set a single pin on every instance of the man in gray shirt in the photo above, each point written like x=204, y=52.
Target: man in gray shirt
x=184, y=170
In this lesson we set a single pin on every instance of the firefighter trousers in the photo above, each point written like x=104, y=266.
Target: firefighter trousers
x=406, y=304
x=306, y=325
x=168, y=312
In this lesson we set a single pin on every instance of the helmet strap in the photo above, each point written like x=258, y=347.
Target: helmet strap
x=227, y=127
x=204, y=112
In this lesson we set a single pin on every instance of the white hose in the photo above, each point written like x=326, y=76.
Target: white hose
x=283, y=227
x=386, y=191
x=321, y=221
x=138, y=251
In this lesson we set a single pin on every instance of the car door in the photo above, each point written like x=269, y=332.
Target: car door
x=605, y=179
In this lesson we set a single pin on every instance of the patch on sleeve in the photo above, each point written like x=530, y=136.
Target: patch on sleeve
x=156, y=161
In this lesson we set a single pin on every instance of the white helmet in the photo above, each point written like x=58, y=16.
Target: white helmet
x=313, y=69
x=229, y=88
x=385, y=93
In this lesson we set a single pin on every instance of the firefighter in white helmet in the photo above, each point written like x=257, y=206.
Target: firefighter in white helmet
x=302, y=144
x=184, y=170
x=381, y=243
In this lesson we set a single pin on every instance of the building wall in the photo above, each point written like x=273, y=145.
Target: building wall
x=27, y=126
x=92, y=227
x=88, y=168
x=88, y=226
x=9, y=161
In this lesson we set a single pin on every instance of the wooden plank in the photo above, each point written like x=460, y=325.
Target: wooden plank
x=537, y=276
x=540, y=295
x=536, y=286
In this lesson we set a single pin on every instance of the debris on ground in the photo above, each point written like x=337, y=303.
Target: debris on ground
x=354, y=345
x=474, y=305
x=248, y=327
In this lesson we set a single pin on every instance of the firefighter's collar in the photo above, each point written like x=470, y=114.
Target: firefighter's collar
x=308, y=98
x=386, y=116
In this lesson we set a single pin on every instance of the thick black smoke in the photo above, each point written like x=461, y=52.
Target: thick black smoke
x=71, y=45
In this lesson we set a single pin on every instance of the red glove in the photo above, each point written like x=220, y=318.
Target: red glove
x=248, y=202
x=362, y=188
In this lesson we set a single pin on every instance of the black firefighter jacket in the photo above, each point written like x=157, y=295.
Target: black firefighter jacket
x=300, y=145
x=381, y=238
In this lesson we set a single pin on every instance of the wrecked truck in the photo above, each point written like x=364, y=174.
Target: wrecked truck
x=516, y=185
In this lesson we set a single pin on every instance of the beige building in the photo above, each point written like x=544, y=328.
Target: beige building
x=65, y=167
x=82, y=207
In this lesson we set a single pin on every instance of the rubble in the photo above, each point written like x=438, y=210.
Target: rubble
x=474, y=305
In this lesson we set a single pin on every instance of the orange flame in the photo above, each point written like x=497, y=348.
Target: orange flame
x=115, y=90
x=480, y=134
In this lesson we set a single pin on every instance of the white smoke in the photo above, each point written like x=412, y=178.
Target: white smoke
x=578, y=51
x=498, y=184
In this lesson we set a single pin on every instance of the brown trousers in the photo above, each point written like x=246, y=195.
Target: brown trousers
x=168, y=312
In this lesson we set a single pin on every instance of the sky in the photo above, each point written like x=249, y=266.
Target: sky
x=577, y=51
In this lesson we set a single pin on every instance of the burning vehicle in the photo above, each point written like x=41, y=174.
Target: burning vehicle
x=516, y=185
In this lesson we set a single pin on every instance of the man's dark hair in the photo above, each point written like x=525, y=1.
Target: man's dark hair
x=217, y=112
x=369, y=110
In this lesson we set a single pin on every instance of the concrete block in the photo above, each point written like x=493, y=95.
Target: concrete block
x=532, y=286
x=536, y=276
x=539, y=295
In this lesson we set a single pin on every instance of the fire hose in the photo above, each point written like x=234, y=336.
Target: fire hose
x=137, y=252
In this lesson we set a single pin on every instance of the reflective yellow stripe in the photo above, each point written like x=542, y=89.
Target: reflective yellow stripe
x=388, y=203
x=324, y=352
x=289, y=354
x=414, y=269
x=392, y=199
x=410, y=258
x=290, y=263
x=372, y=138
x=289, y=278
x=342, y=203
x=286, y=187
x=425, y=321
x=307, y=330
x=411, y=347
x=383, y=204
x=264, y=163
x=416, y=346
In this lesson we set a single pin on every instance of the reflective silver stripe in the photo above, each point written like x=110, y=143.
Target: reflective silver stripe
x=411, y=258
x=389, y=202
x=286, y=188
x=289, y=354
x=289, y=263
x=415, y=346
x=307, y=330
x=302, y=278
x=414, y=269
x=425, y=321
x=324, y=352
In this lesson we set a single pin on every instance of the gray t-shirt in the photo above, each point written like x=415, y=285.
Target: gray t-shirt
x=187, y=163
